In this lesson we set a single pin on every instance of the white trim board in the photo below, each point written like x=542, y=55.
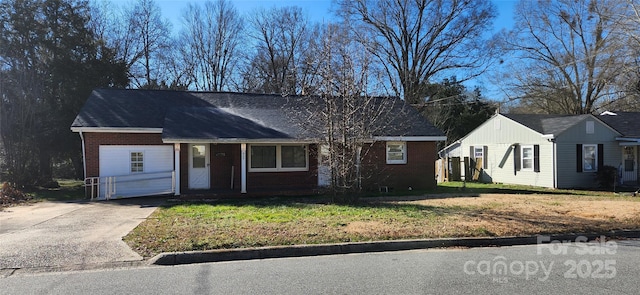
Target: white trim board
x=410, y=138
x=116, y=130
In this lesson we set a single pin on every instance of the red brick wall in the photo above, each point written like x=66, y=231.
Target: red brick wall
x=221, y=171
x=93, y=140
x=417, y=173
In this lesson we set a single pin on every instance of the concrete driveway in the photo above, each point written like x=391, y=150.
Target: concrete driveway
x=70, y=234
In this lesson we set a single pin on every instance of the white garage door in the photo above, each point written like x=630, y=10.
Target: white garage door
x=132, y=170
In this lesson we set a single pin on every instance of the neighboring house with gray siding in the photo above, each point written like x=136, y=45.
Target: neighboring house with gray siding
x=555, y=151
x=628, y=125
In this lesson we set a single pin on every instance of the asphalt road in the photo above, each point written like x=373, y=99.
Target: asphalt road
x=67, y=234
x=576, y=268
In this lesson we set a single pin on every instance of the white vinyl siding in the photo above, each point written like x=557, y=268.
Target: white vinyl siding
x=568, y=176
x=501, y=149
x=138, y=170
x=116, y=160
x=500, y=153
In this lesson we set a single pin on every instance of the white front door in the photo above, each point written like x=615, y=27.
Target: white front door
x=324, y=171
x=199, y=166
x=629, y=164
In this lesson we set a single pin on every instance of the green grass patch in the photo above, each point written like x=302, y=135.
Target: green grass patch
x=69, y=190
x=251, y=223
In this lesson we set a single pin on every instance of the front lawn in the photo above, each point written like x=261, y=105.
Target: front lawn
x=287, y=221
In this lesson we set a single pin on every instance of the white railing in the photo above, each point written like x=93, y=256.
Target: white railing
x=130, y=186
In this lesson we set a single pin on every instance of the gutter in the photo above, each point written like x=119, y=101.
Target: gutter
x=117, y=129
x=238, y=140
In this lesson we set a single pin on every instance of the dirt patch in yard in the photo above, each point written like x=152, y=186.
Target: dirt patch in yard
x=365, y=227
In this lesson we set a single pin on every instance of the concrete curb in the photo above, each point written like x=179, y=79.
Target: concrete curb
x=176, y=258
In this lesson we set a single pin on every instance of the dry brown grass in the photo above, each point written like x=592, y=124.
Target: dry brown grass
x=506, y=215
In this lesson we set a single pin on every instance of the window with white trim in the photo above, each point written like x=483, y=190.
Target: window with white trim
x=397, y=152
x=527, y=157
x=278, y=157
x=137, y=162
x=590, y=157
x=478, y=152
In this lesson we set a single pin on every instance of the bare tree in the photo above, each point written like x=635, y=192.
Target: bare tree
x=344, y=112
x=568, y=54
x=280, y=34
x=152, y=33
x=629, y=82
x=211, y=40
x=418, y=40
x=140, y=36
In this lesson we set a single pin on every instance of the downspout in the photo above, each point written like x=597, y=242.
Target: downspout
x=243, y=168
x=555, y=165
x=552, y=139
x=177, y=182
x=84, y=160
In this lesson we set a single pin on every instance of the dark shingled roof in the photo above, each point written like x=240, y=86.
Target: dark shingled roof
x=627, y=123
x=547, y=124
x=223, y=115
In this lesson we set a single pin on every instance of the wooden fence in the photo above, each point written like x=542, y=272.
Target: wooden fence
x=456, y=169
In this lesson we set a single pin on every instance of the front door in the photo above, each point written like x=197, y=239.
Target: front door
x=324, y=171
x=629, y=165
x=199, y=166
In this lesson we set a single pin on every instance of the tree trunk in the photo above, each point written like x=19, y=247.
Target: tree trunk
x=45, y=174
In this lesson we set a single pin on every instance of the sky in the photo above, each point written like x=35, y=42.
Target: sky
x=316, y=10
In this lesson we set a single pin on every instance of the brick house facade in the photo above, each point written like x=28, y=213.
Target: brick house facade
x=207, y=143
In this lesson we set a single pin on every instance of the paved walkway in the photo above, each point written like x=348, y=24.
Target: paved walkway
x=60, y=234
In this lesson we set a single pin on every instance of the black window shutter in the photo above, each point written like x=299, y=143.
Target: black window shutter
x=579, y=158
x=485, y=157
x=536, y=158
x=600, y=156
x=516, y=159
x=472, y=159
x=471, y=154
